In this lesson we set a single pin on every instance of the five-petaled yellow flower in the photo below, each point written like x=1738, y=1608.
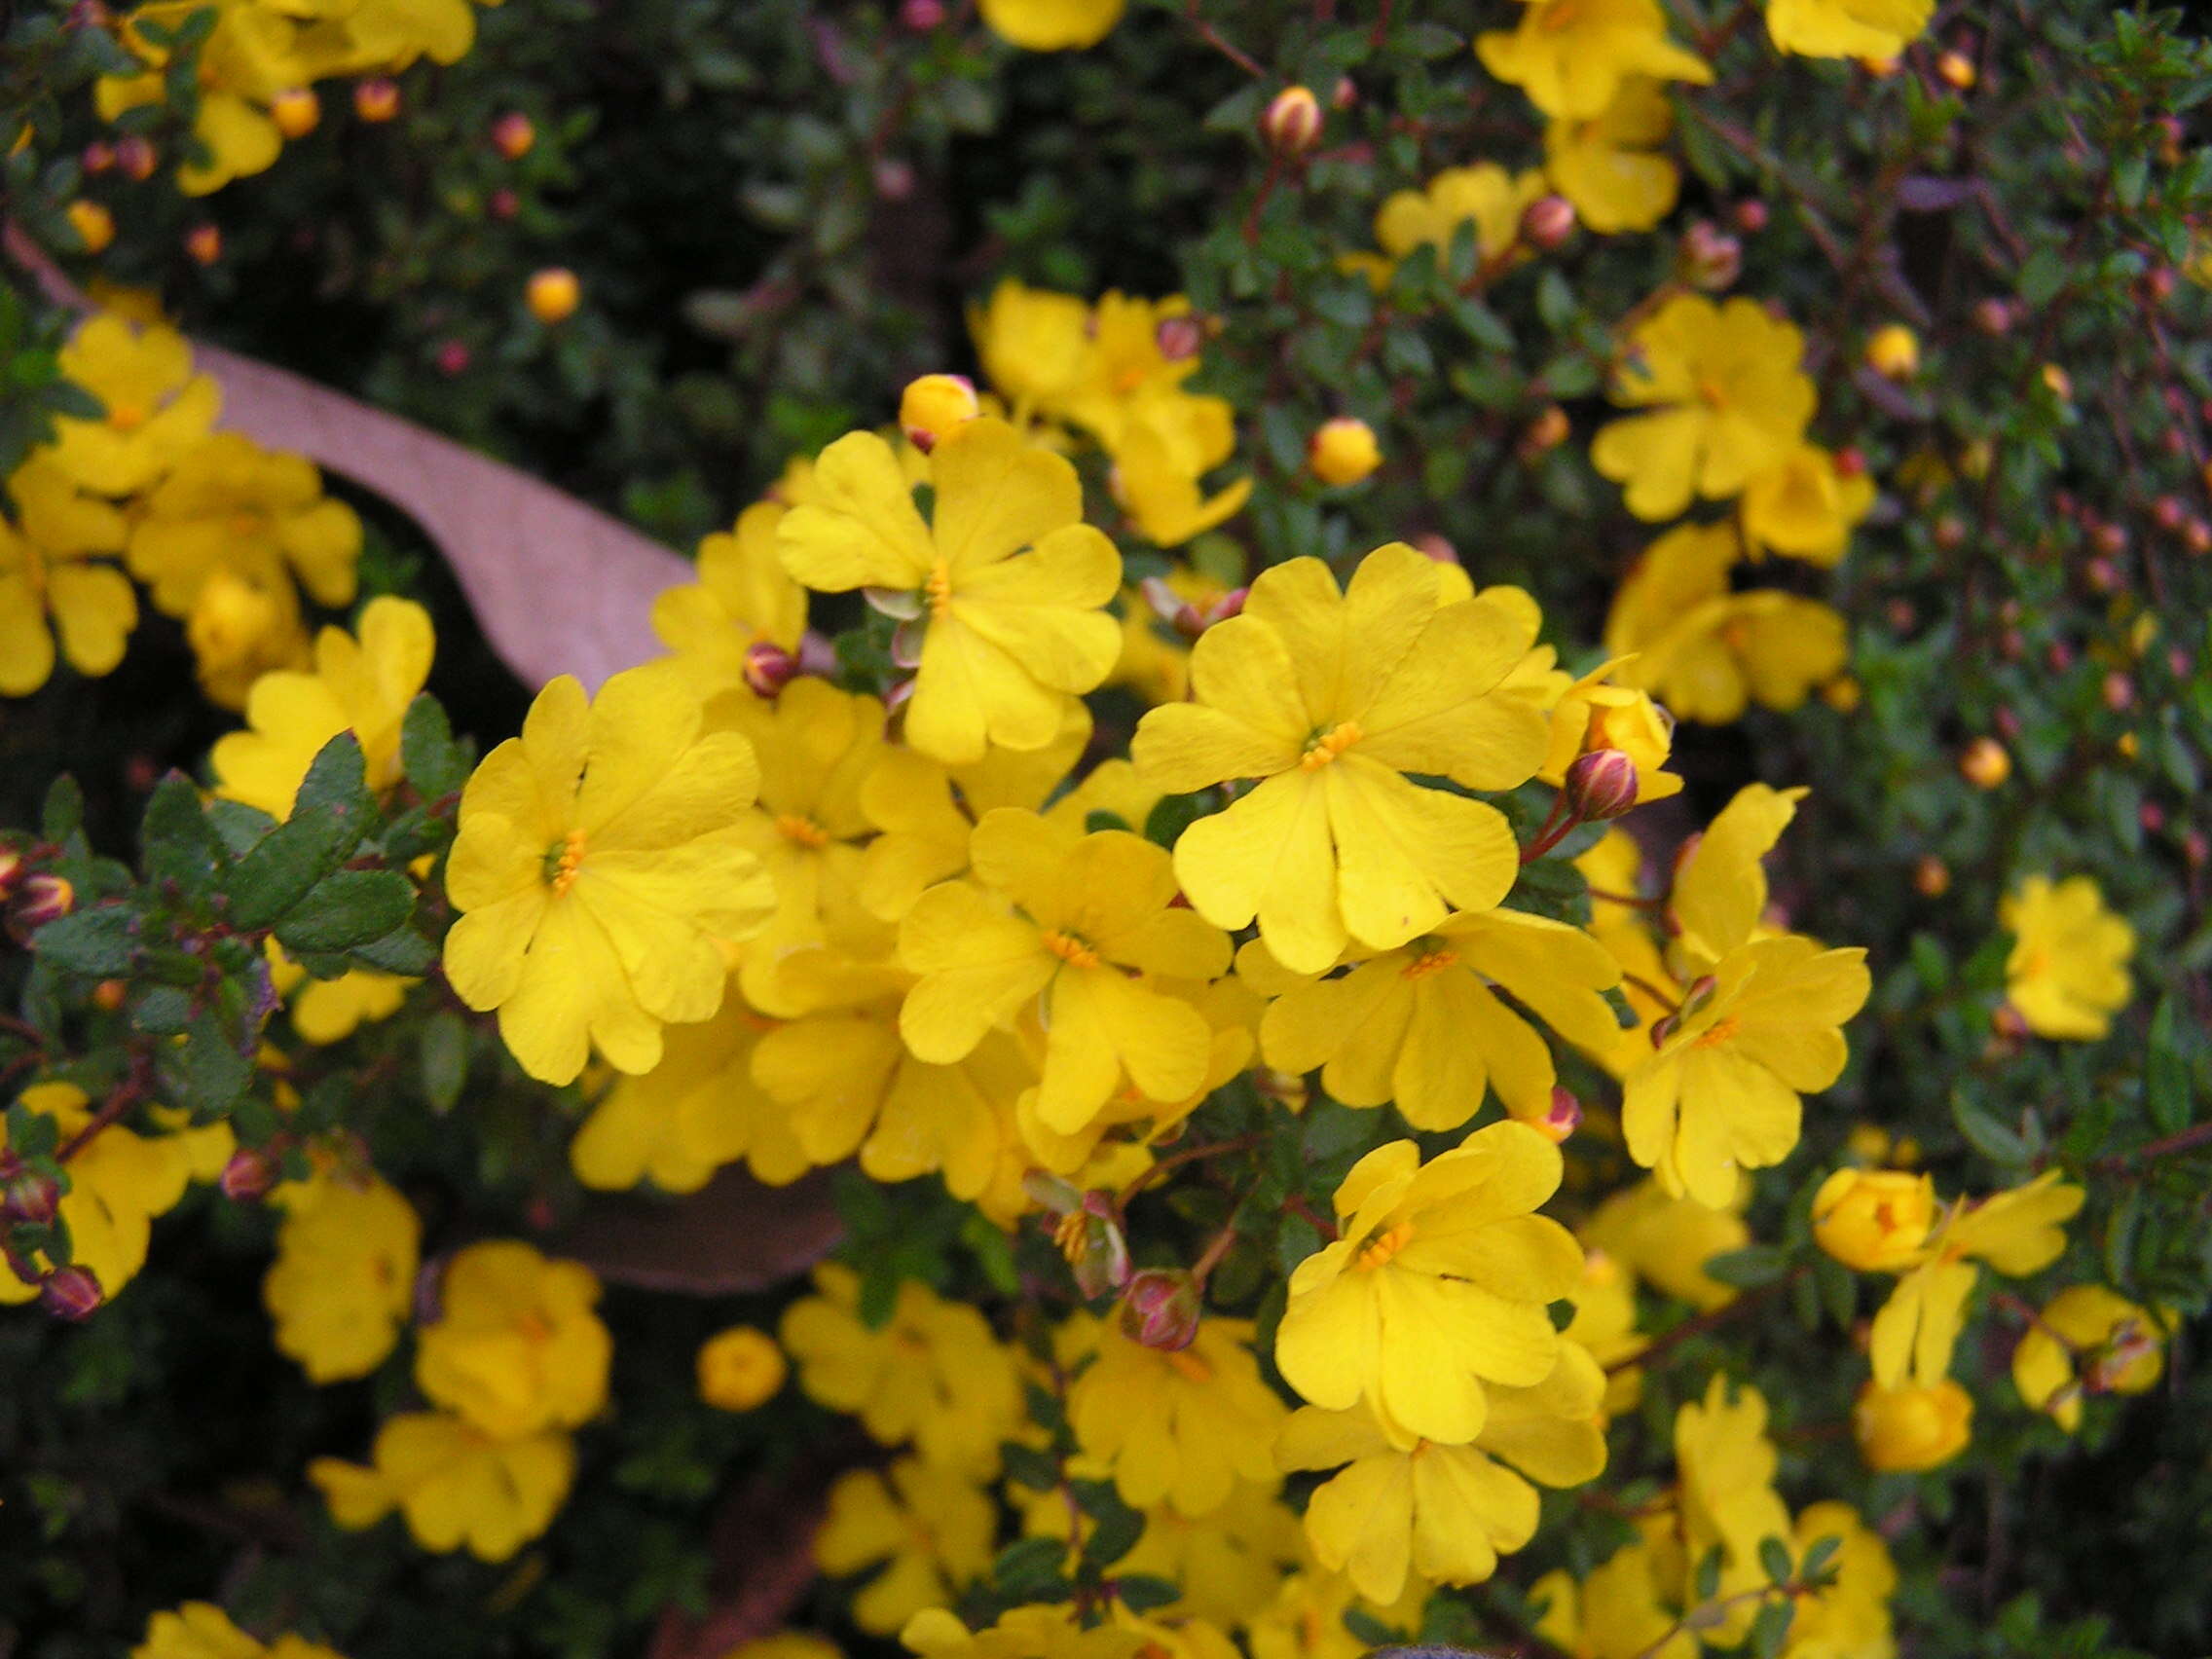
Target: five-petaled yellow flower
x=2067, y=974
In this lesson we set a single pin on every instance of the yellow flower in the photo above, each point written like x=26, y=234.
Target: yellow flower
x=692, y=1113
x=1166, y=446
x=330, y=1010
x=933, y=1374
x=50, y=586
x=240, y=628
x=456, y=1485
x=1804, y=507
x=1723, y=1091
x=1422, y=1026
x=342, y=1283
x=229, y=505
x=1625, y=1609
x=119, y=1181
x=1445, y=1512
x=932, y=1528
x=1851, y=1618
x=515, y=1348
x=1912, y=1427
x=1436, y=1286
x=1879, y=29
x=1874, y=1220
x=1605, y=1323
x=360, y=685
x=743, y=599
x=251, y=55
x=1484, y=195
x=157, y=407
x=2087, y=1341
x=1727, y=1466
x=1342, y=451
x=1033, y=343
x=1228, y=1565
x=1307, y=1618
x=598, y=861
x=1591, y=715
x=1708, y=653
x=1009, y=636
x=200, y=1630
x=2018, y=1233
x=1718, y=902
x=1570, y=56
x=2067, y=974
x=1020, y=1632
x=1611, y=164
x=1178, y=1427
x=788, y=1644
x=740, y=1368
x=1331, y=700
x=1052, y=26
x=1088, y=911
x=1667, y=1239
x=1726, y=398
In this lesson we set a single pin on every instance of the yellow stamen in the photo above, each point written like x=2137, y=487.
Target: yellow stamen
x=1327, y=748
x=1428, y=962
x=939, y=588
x=125, y=417
x=1070, y=949
x=801, y=831
x=1718, y=1033
x=568, y=858
x=1383, y=1246
x=1190, y=1366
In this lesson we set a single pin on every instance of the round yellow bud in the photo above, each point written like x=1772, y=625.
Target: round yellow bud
x=295, y=110
x=1893, y=352
x=1291, y=124
x=203, y=244
x=1908, y=1427
x=1343, y=451
x=2059, y=382
x=740, y=1369
x=1843, y=694
x=1931, y=876
x=1957, y=70
x=1985, y=765
x=934, y=407
x=375, y=98
x=553, y=294
x=93, y=224
x=1874, y=1220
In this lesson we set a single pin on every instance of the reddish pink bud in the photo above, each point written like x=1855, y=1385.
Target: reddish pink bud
x=70, y=1293
x=41, y=898
x=26, y=1196
x=1159, y=1308
x=1564, y=1118
x=1547, y=222
x=14, y=867
x=1750, y=217
x=1600, y=786
x=452, y=358
x=1291, y=124
x=502, y=204
x=250, y=1175
x=99, y=157
x=921, y=15
x=512, y=135
x=768, y=668
x=1179, y=337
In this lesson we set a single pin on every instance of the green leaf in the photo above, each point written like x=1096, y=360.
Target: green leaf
x=1987, y=1136
x=2165, y=1074
x=175, y=841
x=1030, y=1466
x=402, y=951
x=1774, y=1560
x=1820, y=1558
x=444, y=1059
x=436, y=764
x=1173, y=814
x=99, y=943
x=64, y=812
x=206, y=1072
x=329, y=815
x=1116, y=1526
x=161, y=1010
x=1770, y=1626
x=347, y=910
x=1750, y=1267
x=1029, y=1567
x=236, y=825
x=1140, y=1592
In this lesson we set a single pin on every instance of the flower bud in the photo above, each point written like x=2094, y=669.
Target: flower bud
x=93, y=224
x=375, y=98
x=768, y=668
x=1561, y=1119
x=14, y=867
x=1344, y=94
x=512, y=135
x=1994, y=316
x=2118, y=692
x=110, y=994
x=553, y=294
x=1159, y=1308
x=452, y=358
x=250, y=1175
x=41, y=899
x=295, y=110
x=1874, y=1220
x=1893, y=352
x=2196, y=537
x=1342, y=451
x=1909, y=1427
x=2058, y=383
x=1179, y=337
x=1291, y=124
x=99, y=157
x=740, y=1368
x=1931, y=876
x=502, y=204
x=1600, y=786
x=70, y=1293
x=1750, y=215
x=203, y=244
x=1708, y=258
x=1984, y=763
x=934, y=407
x=1957, y=70
x=1547, y=222
x=921, y=15
x=1843, y=694
x=26, y=1196
x=1545, y=433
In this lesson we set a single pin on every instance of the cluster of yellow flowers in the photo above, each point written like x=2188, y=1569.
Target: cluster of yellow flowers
x=223, y=533
x=256, y=65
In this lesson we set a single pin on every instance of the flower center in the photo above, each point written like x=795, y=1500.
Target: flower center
x=1326, y=747
x=563, y=859
x=1386, y=1245
x=1718, y=1033
x=1431, y=960
x=801, y=831
x=1711, y=395
x=125, y=417
x=1189, y=1366
x=1070, y=949
x=1563, y=15
x=937, y=590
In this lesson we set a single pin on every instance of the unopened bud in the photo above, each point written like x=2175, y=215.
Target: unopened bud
x=2010, y=1024
x=1994, y=316
x=895, y=178
x=1547, y=432
x=1957, y=70
x=14, y=867
x=768, y=668
x=203, y=244
x=1562, y=1119
x=2119, y=691
x=41, y=898
x=295, y=110
x=934, y=407
x=1435, y=548
x=2168, y=514
x=1344, y=94
x=921, y=15
x=250, y=1175
x=512, y=135
x=2152, y=817
x=1984, y=763
x=1090, y=1240
x=108, y=995
x=1342, y=451
x=70, y=1293
x=1291, y=124
x=2058, y=383
x=553, y=294
x=1750, y=215
x=137, y=156
x=1179, y=337
x=452, y=358
x=375, y=98
x=27, y=1197
x=2196, y=537
x=1547, y=222
x=1600, y=786
x=1893, y=352
x=502, y=204
x=1709, y=258
x=1931, y=876
x=1159, y=1308
x=99, y=157
x=93, y=224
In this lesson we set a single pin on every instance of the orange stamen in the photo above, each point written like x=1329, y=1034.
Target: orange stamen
x=1327, y=748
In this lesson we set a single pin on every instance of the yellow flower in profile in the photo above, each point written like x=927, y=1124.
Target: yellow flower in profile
x=740, y=1369
x=1423, y=1025
x=1667, y=1239
x=1912, y=1425
x=1166, y=447
x=1877, y=30
x=1626, y=1607
x=1874, y=1220
x=363, y=686
x=1088, y=913
x=1570, y=56
x=1445, y=1512
x=1725, y=394
x=342, y=1283
x=1052, y=26
x=932, y=1529
x=1708, y=653
x=456, y=1485
x=1804, y=507
x=52, y=590
x=155, y=407
x=1591, y=715
x=1611, y=165
x=933, y=1374
x=1720, y=896
x=200, y=1630
x=1007, y=579
x=2067, y=974
x=788, y=1644
x=744, y=599
x=1721, y=1093
x=515, y=1348
x=1484, y=195
x=1436, y=1286
x=1178, y=1427
x=2017, y=1232
x=599, y=861
x=1850, y=1619
x=1726, y=1469
x=1330, y=700
x=229, y=505
x=2087, y=1341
